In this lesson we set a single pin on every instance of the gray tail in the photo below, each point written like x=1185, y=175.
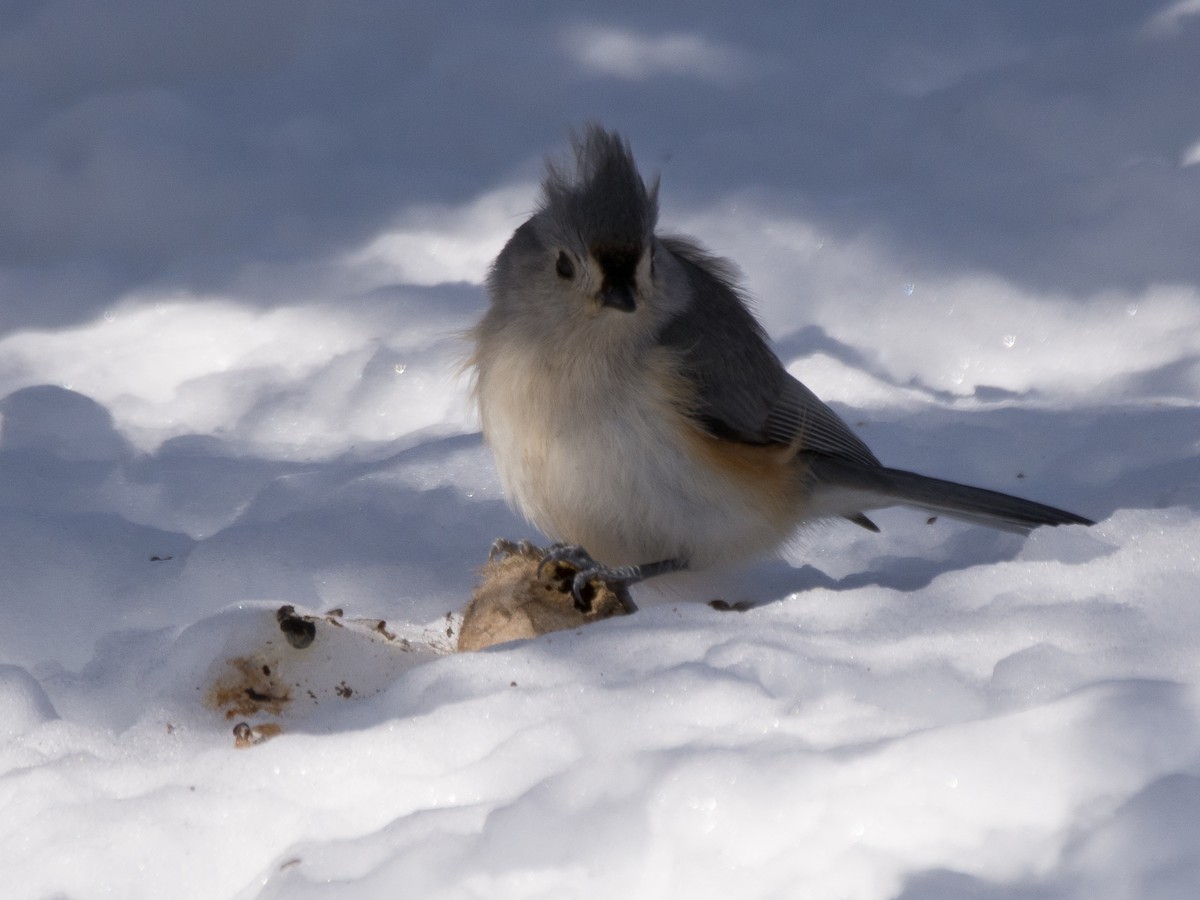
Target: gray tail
x=876, y=487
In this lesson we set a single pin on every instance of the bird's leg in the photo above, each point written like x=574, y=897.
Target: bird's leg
x=588, y=570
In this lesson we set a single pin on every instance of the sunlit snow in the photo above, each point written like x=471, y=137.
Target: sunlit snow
x=239, y=251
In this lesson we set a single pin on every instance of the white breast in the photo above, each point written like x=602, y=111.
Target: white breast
x=602, y=461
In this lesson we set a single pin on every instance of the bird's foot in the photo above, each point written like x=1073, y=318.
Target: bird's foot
x=586, y=571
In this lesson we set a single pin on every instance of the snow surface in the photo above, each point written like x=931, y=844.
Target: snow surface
x=239, y=245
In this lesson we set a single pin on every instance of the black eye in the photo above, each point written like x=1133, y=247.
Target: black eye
x=563, y=266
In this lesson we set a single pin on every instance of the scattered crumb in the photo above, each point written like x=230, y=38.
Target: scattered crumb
x=247, y=690
x=726, y=606
x=300, y=632
x=247, y=735
x=381, y=627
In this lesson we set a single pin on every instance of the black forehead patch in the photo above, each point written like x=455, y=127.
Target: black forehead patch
x=618, y=262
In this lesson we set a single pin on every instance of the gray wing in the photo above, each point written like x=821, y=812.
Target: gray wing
x=800, y=415
x=743, y=391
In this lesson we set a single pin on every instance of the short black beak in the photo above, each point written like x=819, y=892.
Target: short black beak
x=618, y=296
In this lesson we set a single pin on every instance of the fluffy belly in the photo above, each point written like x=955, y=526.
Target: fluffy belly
x=640, y=484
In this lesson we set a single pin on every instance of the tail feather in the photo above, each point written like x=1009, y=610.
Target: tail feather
x=877, y=487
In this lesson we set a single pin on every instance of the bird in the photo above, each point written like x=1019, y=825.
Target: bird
x=636, y=411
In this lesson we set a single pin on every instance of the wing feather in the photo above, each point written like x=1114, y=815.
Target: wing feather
x=743, y=393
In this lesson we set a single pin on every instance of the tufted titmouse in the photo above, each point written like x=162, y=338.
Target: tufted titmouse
x=636, y=411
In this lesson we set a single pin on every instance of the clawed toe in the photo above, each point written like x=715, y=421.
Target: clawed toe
x=585, y=571
x=504, y=547
x=571, y=564
x=571, y=554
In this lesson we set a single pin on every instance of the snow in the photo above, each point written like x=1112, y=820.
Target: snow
x=238, y=254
